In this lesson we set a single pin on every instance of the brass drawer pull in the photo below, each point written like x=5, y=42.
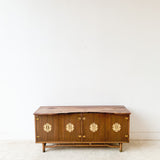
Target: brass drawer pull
x=79, y=118
x=84, y=136
x=79, y=136
x=126, y=118
x=84, y=118
x=126, y=136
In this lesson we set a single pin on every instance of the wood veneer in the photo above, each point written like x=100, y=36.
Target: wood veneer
x=87, y=126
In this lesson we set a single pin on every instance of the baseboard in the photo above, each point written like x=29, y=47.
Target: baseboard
x=145, y=135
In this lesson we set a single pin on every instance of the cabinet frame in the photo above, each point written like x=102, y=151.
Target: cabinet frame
x=81, y=135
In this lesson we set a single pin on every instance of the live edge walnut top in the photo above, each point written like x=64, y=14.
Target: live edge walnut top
x=51, y=110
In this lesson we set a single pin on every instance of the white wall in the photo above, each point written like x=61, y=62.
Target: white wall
x=76, y=52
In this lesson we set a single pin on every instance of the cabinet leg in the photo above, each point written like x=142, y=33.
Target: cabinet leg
x=120, y=147
x=43, y=146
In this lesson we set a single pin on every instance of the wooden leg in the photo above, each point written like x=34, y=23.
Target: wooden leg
x=43, y=146
x=120, y=147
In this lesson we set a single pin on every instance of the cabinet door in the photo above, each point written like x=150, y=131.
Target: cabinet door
x=119, y=128
x=94, y=129
x=46, y=128
x=69, y=127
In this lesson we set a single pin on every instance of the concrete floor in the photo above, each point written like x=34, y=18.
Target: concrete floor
x=28, y=150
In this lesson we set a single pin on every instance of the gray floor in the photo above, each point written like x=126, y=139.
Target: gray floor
x=28, y=150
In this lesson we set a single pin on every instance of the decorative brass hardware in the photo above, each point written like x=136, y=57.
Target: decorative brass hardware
x=79, y=118
x=69, y=127
x=126, y=118
x=116, y=127
x=38, y=136
x=79, y=136
x=84, y=136
x=126, y=136
x=93, y=127
x=37, y=118
x=84, y=118
x=47, y=127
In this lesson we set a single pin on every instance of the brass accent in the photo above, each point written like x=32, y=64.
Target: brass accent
x=79, y=136
x=37, y=118
x=93, y=127
x=47, y=127
x=126, y=136
x=69, y=127
x=84, y=136
x=116, y=127
x=79, y=118
x=38, y=136
x=84, y=118
x=126, y=118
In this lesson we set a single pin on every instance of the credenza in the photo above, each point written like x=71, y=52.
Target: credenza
x=82, y=126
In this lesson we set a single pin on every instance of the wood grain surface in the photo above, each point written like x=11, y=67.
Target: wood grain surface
x=51, y=110
x=82, y=125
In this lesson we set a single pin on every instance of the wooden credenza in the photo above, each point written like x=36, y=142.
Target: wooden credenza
x=82, y=126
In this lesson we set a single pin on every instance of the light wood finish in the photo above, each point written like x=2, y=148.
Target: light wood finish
x=90, y=128
x=84, y=145
x=120, y=147
x=43, y=147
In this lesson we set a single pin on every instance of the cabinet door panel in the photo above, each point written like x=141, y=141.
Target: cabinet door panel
x=94, y=129
x=119, y=128
x=46, y=128
x=69, y=127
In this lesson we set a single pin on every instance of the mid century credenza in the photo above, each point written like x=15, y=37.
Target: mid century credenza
x=82, y=126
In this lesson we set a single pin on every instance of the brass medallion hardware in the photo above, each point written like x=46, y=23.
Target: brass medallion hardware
x=84, y=136
x=93, y=127
x=126, y=118
x=126, y=136
x=47, y=127
x=116, y=127
x=79, y=118
x=69, y=127
x=37, y=136
x=79, y=136
x=84, y=118
x=37, y=118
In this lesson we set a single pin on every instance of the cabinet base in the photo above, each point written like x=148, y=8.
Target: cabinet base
x=113, y=145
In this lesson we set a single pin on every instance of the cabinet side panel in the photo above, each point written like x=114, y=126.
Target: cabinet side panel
x=35, y=126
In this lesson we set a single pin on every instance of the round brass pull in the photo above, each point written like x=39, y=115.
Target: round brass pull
x=79, y=136
x=84, y=136
x=84, y=118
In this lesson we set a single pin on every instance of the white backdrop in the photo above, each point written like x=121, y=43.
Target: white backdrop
x=79, y=52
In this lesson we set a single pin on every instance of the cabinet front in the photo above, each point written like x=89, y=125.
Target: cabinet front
x=69, y=127
x=46, y=128
x=93, y=127
x=119, y=128
x=58, y=128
